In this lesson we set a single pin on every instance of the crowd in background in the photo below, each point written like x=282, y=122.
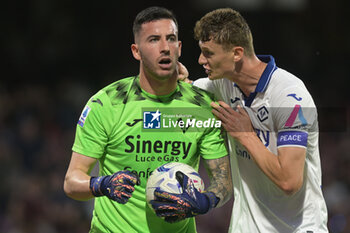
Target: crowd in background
x=58, y=54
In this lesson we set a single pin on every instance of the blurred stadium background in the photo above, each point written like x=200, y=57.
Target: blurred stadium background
x=56, y=54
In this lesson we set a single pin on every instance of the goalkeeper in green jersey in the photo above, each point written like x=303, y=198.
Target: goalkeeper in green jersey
x=138, y=123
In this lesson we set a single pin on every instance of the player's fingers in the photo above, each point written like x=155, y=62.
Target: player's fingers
x=125, y=188
x=167, y=211
x=224, y=105
x=163, y=208
x=119, y=178
x=219, y=115
x=120, y=196
x=123, y=192
x=182, y=179
x=129, y=178
x=229, y=110
x=226, y=111
x=165, y=214
x=158, y=204
x=215, y=105
x=163, y=196
x=242, y=111
x=138, y=181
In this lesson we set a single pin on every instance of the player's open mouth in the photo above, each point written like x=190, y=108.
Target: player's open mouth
x=206, y=69
x=165, y=63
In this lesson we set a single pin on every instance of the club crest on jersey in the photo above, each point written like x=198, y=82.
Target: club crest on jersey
x=151, y=120
x=263, y=113
x=83, y=116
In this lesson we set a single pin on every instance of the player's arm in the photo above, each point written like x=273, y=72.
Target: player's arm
x=77, y=180
x=80, y=185
x=220, y=179
x=285, y=169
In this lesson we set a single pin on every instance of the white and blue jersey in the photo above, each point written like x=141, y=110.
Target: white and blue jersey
x=283, y=114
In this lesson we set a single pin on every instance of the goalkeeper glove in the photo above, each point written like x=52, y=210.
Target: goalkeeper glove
x=191, y=202
x=117, y=187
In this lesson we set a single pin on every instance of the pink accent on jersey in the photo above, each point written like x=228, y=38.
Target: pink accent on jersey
x=292, y=116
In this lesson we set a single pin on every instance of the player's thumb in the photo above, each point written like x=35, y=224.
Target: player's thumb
x=138, y=180
x=182, y=179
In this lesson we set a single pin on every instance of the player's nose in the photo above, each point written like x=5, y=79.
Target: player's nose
x=202, y=60
x=164, y=46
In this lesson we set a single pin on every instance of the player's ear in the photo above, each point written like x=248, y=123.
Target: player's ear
x=238, y=53
x=135, y=52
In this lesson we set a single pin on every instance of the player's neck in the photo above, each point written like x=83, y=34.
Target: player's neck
x=248, y=76
x=156, y=86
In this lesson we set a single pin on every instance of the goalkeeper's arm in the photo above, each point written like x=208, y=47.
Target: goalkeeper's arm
x=219, y=172
x=80, y=186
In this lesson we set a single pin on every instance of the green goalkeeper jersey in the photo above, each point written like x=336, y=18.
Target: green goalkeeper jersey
x=126, y=128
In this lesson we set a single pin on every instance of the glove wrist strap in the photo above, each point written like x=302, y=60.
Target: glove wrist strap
x=97, y=185
x=213, y=199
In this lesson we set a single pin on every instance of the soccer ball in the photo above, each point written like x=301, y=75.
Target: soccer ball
x=164, y=177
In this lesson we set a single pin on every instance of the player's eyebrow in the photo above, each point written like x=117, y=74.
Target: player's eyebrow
x=206, y=51
x=171, y=35
x=158, y=36
x=153, y=36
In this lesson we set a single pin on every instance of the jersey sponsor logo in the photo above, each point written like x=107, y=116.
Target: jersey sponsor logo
x=152, y=158
x=295, y=96
x=131, y=124
x=263, y=114
x=83, y=116
x=151, y=120
x=142, y=146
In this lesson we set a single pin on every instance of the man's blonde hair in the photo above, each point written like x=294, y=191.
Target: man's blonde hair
x=227, y=27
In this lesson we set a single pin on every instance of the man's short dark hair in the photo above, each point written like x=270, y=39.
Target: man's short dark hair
x=151, y=14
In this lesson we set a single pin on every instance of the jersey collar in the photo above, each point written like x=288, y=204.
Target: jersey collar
x=158, y=98
x=266, y=75
x=264, y=79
